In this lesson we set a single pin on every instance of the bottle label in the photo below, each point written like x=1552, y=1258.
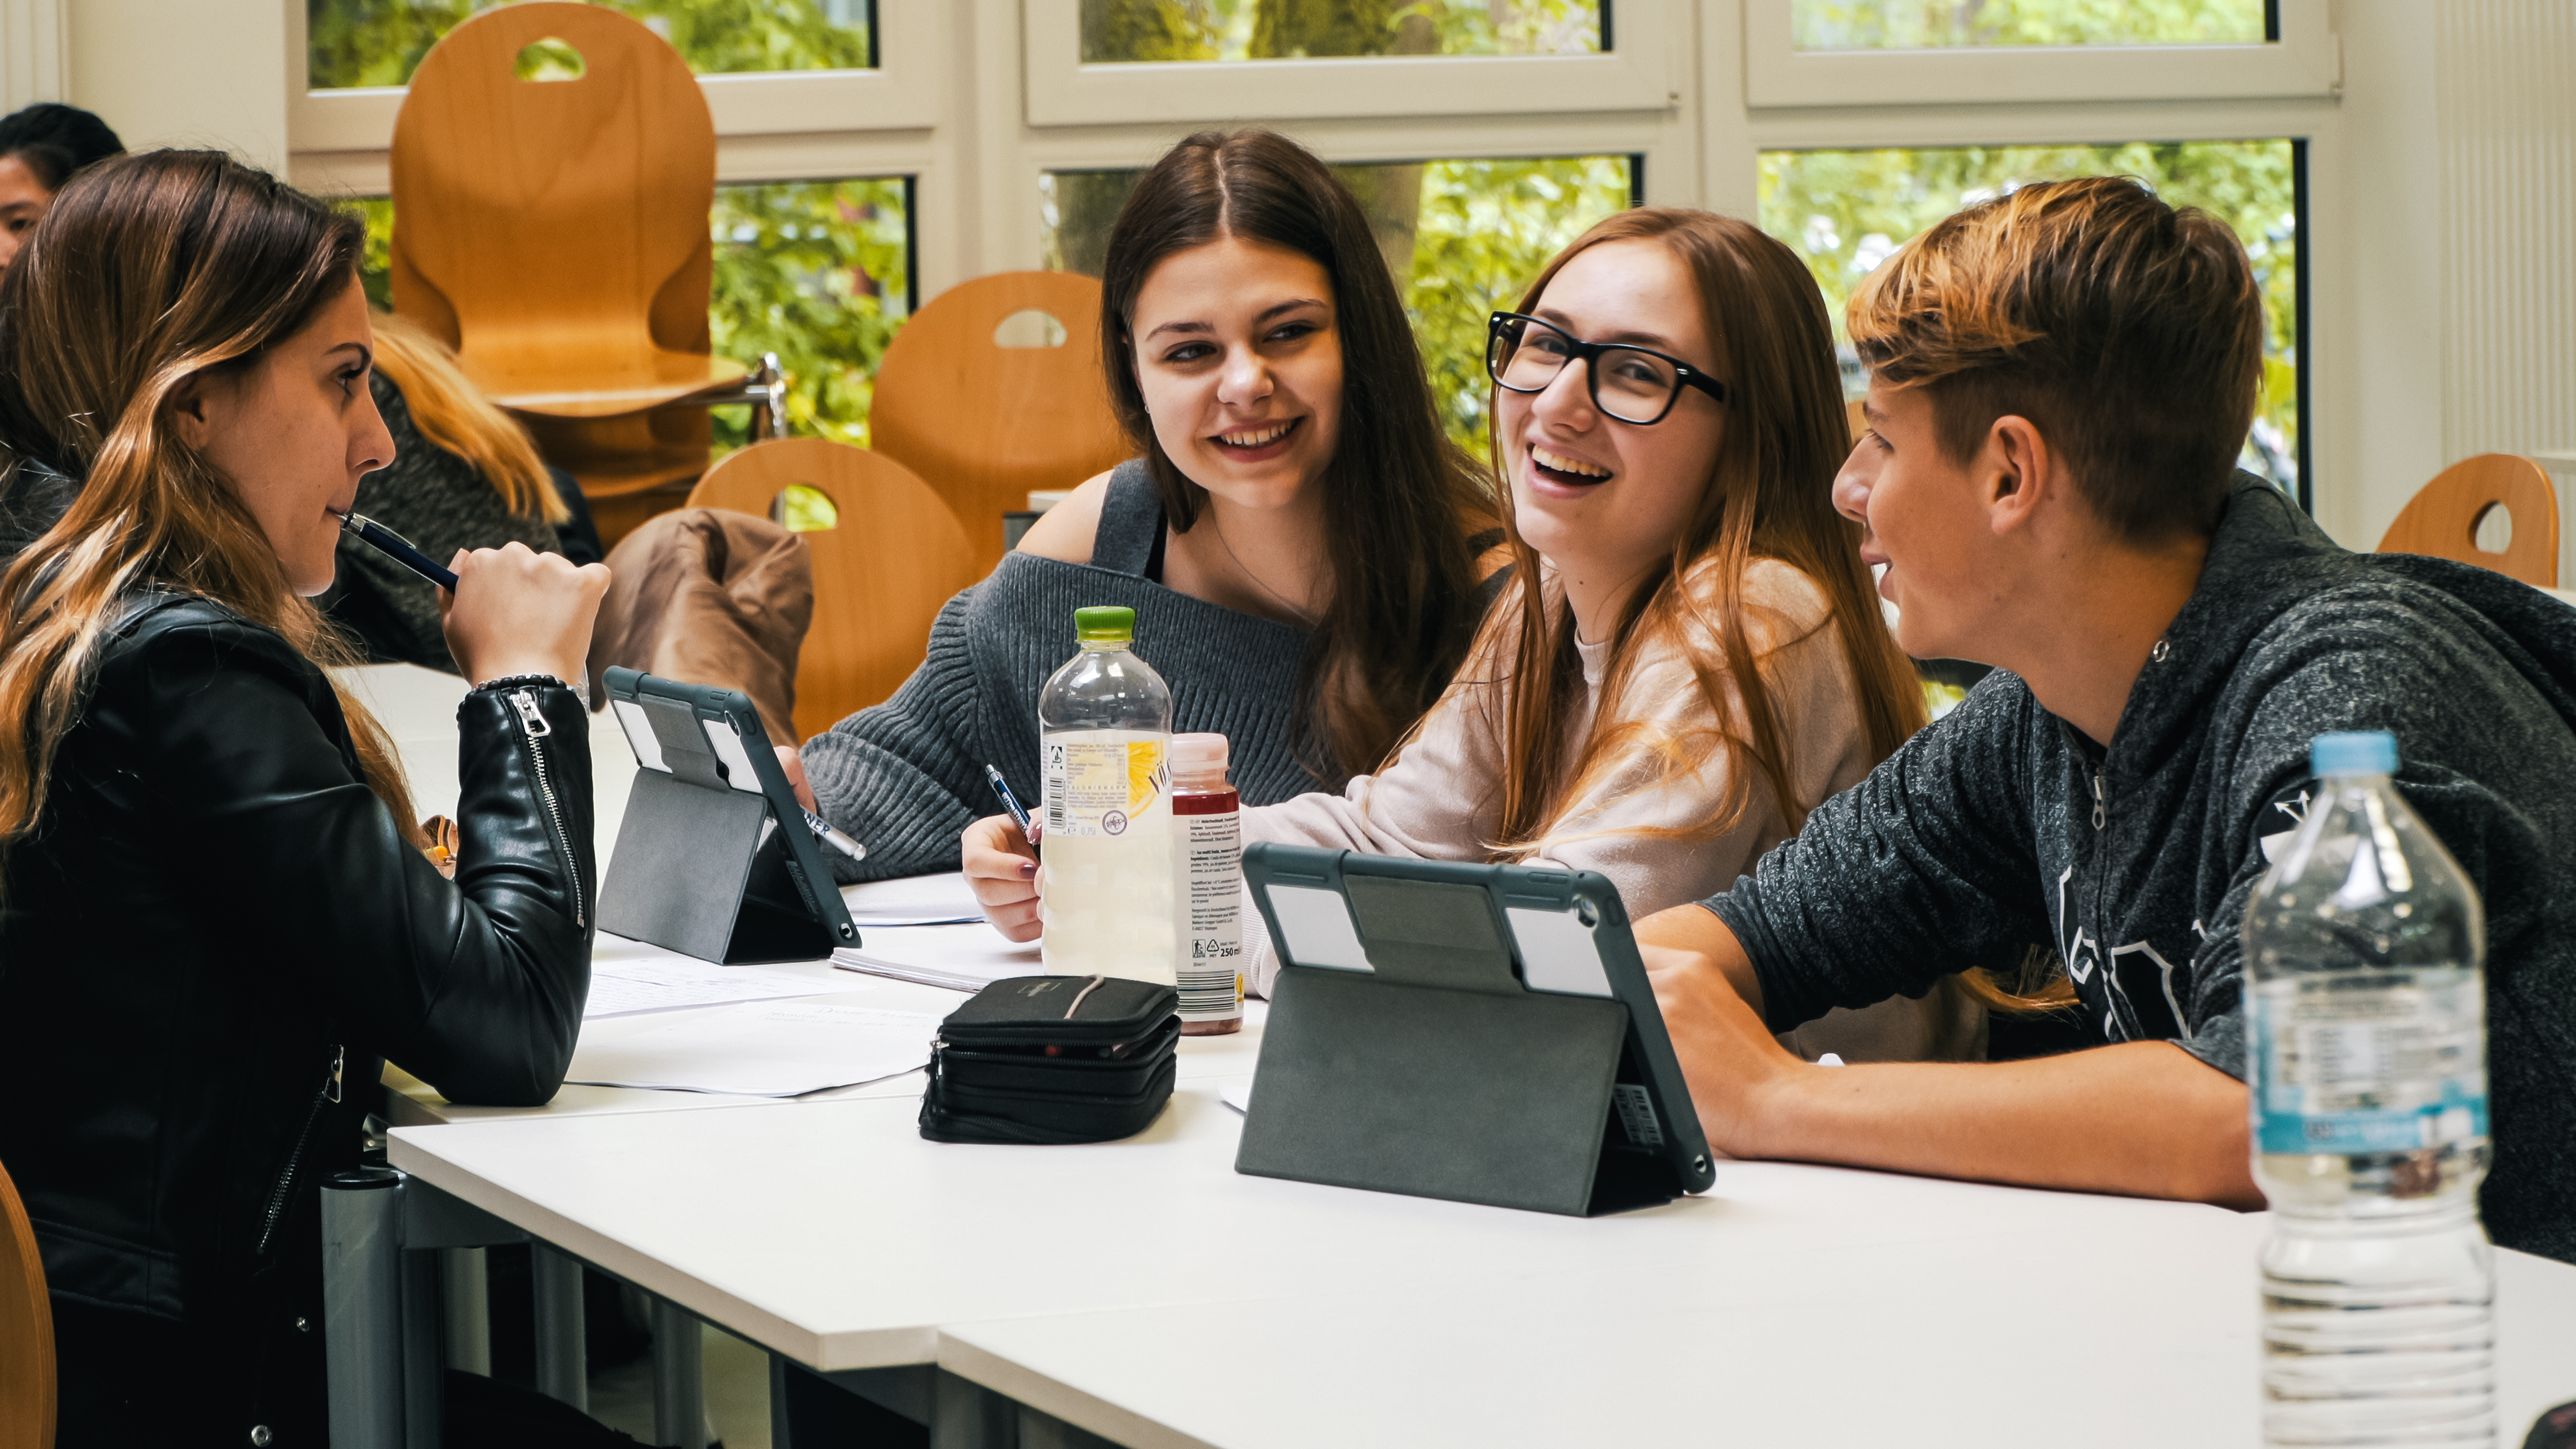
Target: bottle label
x=1211, y=965
x=1100, y=782
x=2357, y=1062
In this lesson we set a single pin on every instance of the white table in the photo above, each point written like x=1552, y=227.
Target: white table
x=418, y=709
x=1145, y=1291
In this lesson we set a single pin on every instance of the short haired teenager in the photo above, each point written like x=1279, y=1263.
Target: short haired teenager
x=2060, y=380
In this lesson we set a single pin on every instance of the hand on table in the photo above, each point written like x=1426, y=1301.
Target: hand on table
x=1728, y=1057
x=1002, y=869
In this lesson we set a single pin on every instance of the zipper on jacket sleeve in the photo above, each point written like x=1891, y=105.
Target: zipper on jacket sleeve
x=533, y=721
x=278, y=1195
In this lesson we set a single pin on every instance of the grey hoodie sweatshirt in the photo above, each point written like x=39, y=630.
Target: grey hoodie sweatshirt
x=2001, y=827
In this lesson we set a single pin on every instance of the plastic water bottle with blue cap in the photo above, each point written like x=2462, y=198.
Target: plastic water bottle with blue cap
x=2365, y=954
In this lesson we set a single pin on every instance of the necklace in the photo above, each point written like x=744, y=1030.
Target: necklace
x=1244, y=569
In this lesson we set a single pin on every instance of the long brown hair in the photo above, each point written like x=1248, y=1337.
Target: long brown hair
x=149, y=270
x=1400, y=501
x=453, y=415
x=1768, y=495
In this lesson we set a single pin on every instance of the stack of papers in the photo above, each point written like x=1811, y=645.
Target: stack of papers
x=920, y=900
x=961, y=958
x=623, y=983
x=777, y=1049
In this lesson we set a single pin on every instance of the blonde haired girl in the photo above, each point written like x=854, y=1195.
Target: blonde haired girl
x=217, y=920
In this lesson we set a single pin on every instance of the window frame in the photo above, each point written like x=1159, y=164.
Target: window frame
x=905, y=86
x=1644, y=72
x=2307, y=61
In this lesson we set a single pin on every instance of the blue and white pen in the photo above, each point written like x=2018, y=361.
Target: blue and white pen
x=396, y=547
x=824, y=832
x=1011, y=802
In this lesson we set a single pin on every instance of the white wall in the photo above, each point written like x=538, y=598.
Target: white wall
x=2505, y=91
x=185, y=72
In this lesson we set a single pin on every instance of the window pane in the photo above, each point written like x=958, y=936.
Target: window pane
x=1133, y=30
x=815, y=271
x=1940, y=24
x=1462, y=238
x=381, y=42
x=1845, y=211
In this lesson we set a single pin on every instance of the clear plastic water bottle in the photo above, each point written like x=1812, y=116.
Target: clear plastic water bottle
x=1104, y=751
x=2365, y=951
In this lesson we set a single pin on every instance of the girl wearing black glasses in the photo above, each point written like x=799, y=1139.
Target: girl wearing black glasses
x=1690, y=655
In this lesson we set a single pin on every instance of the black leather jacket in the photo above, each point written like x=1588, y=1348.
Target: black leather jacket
x=207, y=945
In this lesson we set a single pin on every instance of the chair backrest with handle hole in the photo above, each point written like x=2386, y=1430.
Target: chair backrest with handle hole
x=893, y=555
x=2444, y=516
x=26, y=1331
x=553, y=228
x=988, y=404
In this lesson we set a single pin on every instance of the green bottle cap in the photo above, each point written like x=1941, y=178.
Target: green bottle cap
x=1104, y=621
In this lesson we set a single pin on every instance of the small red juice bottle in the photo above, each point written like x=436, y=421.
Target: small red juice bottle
x=1208, y=853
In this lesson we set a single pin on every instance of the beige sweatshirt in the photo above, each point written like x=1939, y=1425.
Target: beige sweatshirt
x=1439, y=798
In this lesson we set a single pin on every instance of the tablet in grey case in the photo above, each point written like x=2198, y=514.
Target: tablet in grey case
x=714, y=859
x=1483, y=1033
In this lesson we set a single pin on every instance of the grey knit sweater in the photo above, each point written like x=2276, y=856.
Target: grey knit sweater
x=906, y=776
x=2000, y=827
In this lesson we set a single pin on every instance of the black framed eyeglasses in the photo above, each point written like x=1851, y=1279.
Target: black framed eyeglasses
x=1631, y=383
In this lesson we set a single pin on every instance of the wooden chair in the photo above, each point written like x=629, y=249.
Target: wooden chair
x=2443, y=518
x=26, y=1332
x=554, y=232
x=893, y=556
x=986, y=422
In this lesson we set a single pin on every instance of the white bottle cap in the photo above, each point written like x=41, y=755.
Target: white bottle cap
x=1198, y=754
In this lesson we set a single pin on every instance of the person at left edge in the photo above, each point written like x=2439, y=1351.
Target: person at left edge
x=215, y=915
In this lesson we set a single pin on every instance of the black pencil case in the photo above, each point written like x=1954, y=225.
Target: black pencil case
x=1053, y=1059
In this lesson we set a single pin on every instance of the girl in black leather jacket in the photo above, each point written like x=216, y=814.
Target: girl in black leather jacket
x=215, y=917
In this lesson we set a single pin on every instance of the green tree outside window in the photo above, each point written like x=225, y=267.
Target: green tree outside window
x=1171, y=30
x=1939, y=24
x=381, y=42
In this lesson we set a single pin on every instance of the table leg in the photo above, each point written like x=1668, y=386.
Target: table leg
x=966, y=1415
x=424, y=1351
x=466, y=1290
x=362, y=1307
x=562, y=1373
x=679, y=1384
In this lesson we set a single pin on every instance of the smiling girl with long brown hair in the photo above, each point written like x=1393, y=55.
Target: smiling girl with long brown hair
x=1690, y=655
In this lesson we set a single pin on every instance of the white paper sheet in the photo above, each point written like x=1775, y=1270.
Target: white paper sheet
x=769, y=1049
x=668, y=982
x=961, y=958
x=1237, y=1095
x=917, y=900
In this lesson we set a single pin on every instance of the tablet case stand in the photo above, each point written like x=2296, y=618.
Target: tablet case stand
x=701, y=867
x=1438, y=1075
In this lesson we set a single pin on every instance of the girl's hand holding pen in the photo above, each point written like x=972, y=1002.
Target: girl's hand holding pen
x=1002, y=869
x=515, y=611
